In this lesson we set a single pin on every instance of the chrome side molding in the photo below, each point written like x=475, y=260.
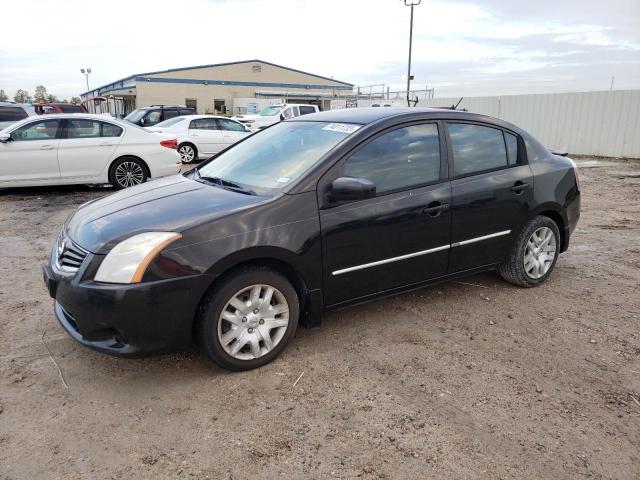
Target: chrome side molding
x=422, y=252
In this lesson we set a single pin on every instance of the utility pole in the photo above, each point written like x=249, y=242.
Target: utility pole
x=86, y=73
x=410, y=3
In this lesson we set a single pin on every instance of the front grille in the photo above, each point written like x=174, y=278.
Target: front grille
x=68, y=255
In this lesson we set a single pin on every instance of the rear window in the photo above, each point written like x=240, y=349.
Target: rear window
x=12, y=114
x=305, y=110
x=71, y=109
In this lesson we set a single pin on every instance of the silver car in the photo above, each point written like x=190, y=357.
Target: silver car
x=11, y=112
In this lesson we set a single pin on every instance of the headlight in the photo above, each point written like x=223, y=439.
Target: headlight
x=128, y=260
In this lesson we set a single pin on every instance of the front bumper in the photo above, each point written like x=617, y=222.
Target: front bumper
x=126, y=320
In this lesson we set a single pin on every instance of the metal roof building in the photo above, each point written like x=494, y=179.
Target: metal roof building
x=233, y=87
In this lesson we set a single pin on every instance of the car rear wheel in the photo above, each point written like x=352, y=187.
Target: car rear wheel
x=188, y=152
x=249, y=319
x=534, y=254
x=127, y=172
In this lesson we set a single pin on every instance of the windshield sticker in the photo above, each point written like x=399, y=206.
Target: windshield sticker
x=284, y=180
x=342, y=127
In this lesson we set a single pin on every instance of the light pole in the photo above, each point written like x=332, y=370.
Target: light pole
x=410, y=3
x=86, y=73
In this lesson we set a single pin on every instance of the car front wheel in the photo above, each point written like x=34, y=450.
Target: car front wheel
x=249, y=319
x=534, y=254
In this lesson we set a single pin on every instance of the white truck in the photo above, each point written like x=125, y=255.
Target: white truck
x=274, y=114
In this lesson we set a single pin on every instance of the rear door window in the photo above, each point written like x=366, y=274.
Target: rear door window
x=476, y=148
x=80, y=128
x=230, y=125
x=12, y=114
x=400, y=159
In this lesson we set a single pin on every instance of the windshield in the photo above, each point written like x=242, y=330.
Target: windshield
x=136, y=115
x=170, y=122
x=275, y=157
x=270, y=111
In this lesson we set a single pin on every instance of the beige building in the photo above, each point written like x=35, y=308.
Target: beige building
x=236, y=87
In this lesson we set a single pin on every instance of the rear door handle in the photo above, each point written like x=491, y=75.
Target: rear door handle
x=46, y=147
x=106, y=144
x=519, y=186
x=434, y=209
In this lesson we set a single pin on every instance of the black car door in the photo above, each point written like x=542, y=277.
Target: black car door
x=400, y=236
x=491, y=193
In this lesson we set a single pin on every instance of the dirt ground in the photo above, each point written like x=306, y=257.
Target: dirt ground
x=469, y=379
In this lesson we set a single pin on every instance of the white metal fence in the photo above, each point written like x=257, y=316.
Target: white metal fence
x=588, y=123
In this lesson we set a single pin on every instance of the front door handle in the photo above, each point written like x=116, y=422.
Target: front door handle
x=106, y=144
x=46, y=147
x=518, y=187
x=434, y=209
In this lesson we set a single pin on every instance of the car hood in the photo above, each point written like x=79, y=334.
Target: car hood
x=172, y=204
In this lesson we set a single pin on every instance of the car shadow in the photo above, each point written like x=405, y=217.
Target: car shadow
x=307, y=343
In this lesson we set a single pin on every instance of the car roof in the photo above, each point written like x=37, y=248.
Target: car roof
x=364, y=116
x=86, y=116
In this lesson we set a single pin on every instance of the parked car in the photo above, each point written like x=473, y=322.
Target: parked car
x=12, y=112
x=150, y=116
x=77, y=148
x=48, y=108
x=200, y=136
x=276, y=113
x=315, y=213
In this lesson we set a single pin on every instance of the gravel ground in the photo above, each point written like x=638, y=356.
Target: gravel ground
x=469, y=379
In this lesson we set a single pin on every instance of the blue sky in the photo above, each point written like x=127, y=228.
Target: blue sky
x=460, y=47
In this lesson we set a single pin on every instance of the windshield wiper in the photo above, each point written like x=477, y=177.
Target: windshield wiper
x=226, y=184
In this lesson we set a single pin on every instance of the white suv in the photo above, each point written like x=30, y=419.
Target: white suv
x=275, y=113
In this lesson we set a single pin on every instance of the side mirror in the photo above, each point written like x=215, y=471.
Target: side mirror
x=281, y=116
x=142, y=121
x=350, y=188
x=5, y=137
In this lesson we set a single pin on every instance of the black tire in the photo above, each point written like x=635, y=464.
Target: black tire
x=210, y=310
x=513, y=269
x=187, y=145
x=137, y=167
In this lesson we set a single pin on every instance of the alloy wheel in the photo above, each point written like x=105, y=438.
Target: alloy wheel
x=253, y=322
x=129, y=174
x=539, y=252
x=187, y=154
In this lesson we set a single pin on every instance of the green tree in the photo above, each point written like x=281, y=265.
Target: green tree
x=51, y=98
x=21, y=96
x=75, y=100
x=41, y=94
x=3, y=96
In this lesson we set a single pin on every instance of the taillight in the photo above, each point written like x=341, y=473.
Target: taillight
x=576, y=174
x=173, y=143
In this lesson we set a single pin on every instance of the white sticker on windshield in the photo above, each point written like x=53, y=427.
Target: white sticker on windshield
x=342, y=127
x=284, y=180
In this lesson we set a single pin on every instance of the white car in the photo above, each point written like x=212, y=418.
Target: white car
x=200, y=136
x=275, y=113
x=73, y=148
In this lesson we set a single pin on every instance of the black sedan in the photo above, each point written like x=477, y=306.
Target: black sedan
x=311, y=214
